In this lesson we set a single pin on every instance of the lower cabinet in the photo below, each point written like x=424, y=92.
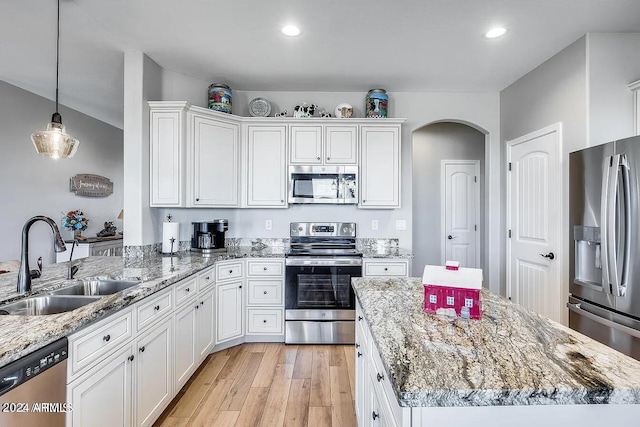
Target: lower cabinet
x=230, y=311
x=205, y=325
x=154, y=368
x=103, y=397
x=185, y=348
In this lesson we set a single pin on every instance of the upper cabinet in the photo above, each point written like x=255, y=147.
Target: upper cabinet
x=214, y=159
x=323, y=144
x=167, y=153
x=266, y=166
x=380, y=166
x=204, y=158
x=635, y=88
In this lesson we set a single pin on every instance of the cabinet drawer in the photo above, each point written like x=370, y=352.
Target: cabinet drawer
x=184, y=290
x=388, y=268
x=150, y=311
x=265, y=321
x=265, y=268
x=206, y=279
x=265, y=292
x=230, y=270
x=92, y=345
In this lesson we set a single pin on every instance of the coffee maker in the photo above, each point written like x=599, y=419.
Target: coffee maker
x=208, y=236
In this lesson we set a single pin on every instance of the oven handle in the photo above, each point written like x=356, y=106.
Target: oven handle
x=330, y=262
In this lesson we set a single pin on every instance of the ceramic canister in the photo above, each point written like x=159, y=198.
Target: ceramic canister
x=377, y=102
x=220, y=98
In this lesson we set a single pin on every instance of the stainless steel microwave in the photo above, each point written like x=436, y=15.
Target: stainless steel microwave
x=323, y=184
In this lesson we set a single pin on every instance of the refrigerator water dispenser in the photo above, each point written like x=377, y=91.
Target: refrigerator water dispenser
x=588, y=260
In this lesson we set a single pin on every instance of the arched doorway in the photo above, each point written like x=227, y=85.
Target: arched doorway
x=432, y=145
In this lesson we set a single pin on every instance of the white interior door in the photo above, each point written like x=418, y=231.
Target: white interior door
x=534, y=215
x=460, y=190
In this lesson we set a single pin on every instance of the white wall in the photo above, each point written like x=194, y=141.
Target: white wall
x=613, y=61
x=478, y=109
x=585, y=88
x=431, y=145
x=142, y=83
x=556, y=91
x=31, y=184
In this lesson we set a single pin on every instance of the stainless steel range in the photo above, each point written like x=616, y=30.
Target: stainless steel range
x=319, y=299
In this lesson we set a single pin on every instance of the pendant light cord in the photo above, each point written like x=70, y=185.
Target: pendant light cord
x=57, y=54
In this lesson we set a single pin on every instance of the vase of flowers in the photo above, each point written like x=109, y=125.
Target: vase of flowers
x=76, y=222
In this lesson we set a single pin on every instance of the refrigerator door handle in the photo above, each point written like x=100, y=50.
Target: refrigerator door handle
x=576, y=308
x=605, y=202
x=626, y=212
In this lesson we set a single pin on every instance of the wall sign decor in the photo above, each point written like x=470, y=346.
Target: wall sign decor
x=88, y=185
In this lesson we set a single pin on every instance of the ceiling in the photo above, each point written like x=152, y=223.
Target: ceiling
x=354, y=45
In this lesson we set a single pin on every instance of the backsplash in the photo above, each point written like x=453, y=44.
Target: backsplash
x=256, y=243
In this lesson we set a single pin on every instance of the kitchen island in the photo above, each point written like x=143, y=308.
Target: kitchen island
x=513, y=367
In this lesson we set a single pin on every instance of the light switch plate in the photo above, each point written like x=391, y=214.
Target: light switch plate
x=401, y=224
x=374, y=224
x=268, y=225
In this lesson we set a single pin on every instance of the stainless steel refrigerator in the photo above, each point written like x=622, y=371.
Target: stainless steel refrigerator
x=604, y=214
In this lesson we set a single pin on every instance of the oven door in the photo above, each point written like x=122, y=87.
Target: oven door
x=320, y=289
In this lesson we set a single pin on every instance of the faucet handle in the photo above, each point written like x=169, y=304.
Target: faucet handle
x=35, y=274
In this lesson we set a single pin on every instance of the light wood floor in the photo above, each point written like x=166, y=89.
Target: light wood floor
x=269, y=385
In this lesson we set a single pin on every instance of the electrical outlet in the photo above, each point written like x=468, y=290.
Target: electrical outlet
x=374, y=224
x=401, y=224
x=268, y=225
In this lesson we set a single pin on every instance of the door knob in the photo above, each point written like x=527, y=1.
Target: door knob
x=550, y=255
x=451, y=237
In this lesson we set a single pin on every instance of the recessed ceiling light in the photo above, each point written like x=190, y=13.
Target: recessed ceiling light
x=291, y=30
x=495, y=32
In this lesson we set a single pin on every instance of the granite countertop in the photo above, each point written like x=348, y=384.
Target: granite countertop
x=21, y=335
x=511, y=357
x=386, y=252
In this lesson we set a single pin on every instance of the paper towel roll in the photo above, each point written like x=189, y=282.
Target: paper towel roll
x=170, y=230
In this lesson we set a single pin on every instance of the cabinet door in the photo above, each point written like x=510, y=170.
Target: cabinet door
x=215, y=159
x=362, y=380
x=229, y=311
x=103, y=396
x=306, y=145
x=154, y=373
x=380, y=167
x=206, y=322
x=341, y=145
x=185, y=334
x=267, y=166
x=167, y=154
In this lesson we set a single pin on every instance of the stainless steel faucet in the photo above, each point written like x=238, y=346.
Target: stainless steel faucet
x=73, y=269
x=25, y=274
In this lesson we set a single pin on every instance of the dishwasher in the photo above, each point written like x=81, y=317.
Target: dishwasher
x=33, y=388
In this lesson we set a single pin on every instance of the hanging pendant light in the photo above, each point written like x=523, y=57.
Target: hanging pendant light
x=55, y=142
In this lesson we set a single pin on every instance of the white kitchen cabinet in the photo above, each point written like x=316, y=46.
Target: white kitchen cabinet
x=635, y=88
x=305, y=145
x=384, y=267
x=323, y=144
x=266, y=166
x=230, y=311
x=154, y=372
x=167, y=153
x=341, y=144
x=214, y=159
x=104, y=396
x=380, y=166
x=265, y=300
x=205, y=324
x=185, y=348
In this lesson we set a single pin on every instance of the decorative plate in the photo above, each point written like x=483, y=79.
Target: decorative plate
x=259, y=107
x=344, y=111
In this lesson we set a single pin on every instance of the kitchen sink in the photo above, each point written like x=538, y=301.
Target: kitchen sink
x=97, y=286
x=46, y=304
